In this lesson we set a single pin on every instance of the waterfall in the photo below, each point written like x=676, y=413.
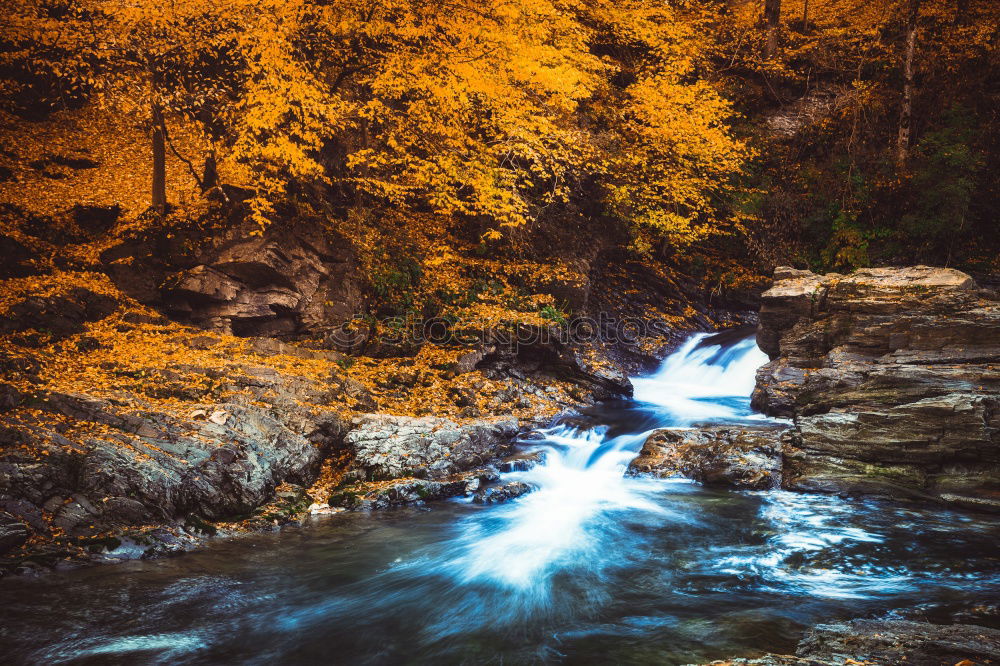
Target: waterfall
x=581, y=488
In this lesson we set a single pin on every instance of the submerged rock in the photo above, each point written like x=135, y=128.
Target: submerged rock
x=741, y=457
x=892, y=379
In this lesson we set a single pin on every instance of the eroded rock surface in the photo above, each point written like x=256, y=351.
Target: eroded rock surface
x=892, y=379
x=389, y=447
x=285, y=282
x=741, y=457
x=886, y=642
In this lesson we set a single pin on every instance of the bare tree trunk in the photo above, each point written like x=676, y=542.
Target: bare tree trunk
x=159, y=198
x=805, y=15
x=772, y=20
x=210, y=175
x=906, y=111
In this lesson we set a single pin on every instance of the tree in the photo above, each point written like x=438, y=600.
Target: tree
x=772, y=20
x=158, y=58
x=906, y=108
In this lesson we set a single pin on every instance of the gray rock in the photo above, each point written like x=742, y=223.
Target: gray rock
x=892, y=379
x=13, y=532
x=740, y=457
x=901, y=642
x=886, y=642
x=388, y=447
x=502, y=493
x=153, y=466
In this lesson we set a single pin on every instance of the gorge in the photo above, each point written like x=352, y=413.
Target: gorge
x=593, y=563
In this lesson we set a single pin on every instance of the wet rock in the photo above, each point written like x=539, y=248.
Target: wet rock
x=886, y=642
x=892, y=379
x=741, y=457
x=502, y=493
x=13, y=532
x=521, y=462
x=388, y=447
x=901, y=642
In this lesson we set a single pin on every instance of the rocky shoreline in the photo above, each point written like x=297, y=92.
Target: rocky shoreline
x=888, y=380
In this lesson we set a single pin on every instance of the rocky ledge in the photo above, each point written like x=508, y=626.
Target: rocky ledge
x=892, y=379
x=887, y=642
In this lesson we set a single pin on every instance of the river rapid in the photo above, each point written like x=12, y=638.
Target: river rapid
x=592, y=567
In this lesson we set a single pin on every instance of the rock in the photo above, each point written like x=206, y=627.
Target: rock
x=901, y=642
x=521, y=462
x=892, y=379
x=60, y=315
x=886, y=642
x=150, y=466
x=741, y=457
x=498, y=494
x=13, y=532
x=299, y=278
x=388, y=447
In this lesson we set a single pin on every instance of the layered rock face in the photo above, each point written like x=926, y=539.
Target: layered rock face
x=282, y=283
x=892, y=377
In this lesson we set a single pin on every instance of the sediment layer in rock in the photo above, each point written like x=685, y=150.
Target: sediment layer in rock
x=892, y=377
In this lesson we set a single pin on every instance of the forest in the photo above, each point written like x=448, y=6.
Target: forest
x=520, y=331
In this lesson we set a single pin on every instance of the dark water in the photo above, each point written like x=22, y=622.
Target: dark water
x=592, y=567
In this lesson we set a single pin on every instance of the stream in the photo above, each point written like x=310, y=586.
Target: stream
x=592, y=567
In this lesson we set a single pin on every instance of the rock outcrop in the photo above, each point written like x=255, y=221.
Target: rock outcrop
x=892, y=377
x=288, y=281
x=887, y=642
x=740, y=457
x=388, y=447
x=151, y=466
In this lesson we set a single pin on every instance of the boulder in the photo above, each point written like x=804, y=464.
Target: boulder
x=151, y=466
x=389, y=447
x=501, y=493
x=891, y=376
x=740, y=457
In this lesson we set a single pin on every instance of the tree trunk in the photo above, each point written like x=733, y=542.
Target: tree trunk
x=210, y=177
x=906, y=110
x=772, y=20
x=805, y=15
x=159, y=198
x=962, y=12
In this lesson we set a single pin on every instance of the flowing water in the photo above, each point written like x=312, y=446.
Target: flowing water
x=591, y=567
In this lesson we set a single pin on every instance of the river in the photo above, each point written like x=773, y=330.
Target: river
x=592, y=567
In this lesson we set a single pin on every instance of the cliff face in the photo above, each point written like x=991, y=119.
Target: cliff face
x=892, y=379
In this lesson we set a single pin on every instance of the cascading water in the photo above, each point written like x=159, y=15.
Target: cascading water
x=593, y=566
x=581, y=487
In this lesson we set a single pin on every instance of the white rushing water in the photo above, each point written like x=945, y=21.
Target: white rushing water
x=581, y=488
